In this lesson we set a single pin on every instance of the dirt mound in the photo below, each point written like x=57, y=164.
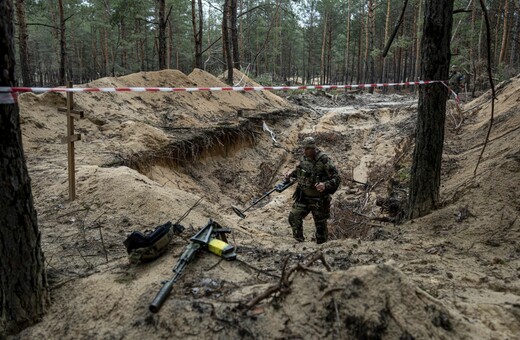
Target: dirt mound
x=369, y=302
x=145, y=159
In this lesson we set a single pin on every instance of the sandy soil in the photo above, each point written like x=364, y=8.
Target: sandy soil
x=146, y=158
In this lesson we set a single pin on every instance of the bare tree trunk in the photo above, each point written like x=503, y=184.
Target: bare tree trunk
x=371, y=29
x=234, y=34
x=241, y=33
x=435, y=51
x=103, y=45
x=383, y=72
x=22, y=41
x=226, y=40
x=23, y=284
x=329, y=54
x=162, y=34
x=197, y=34
x=323, y=44
x=310, y=59
x=94, y=64
x=142, y=44
x=480, y=32
x=515, y=33
x=365, y=53
x=347, y=48
x=472, y=61
x=170, y=44
x=496, y=50
x=417, y=43
x=505, y=34
x=124, y=52
x=361, y=25
x=76, y=57
x=63, y=44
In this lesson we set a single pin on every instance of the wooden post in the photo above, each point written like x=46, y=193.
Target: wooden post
x=70, y=138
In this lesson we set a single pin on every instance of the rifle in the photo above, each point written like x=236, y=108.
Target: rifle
x=212, y=237
x=278, y=188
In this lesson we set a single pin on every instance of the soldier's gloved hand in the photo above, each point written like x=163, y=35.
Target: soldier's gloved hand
x=320, y=186
x=288, y=175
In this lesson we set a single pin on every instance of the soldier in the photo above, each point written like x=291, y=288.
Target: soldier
x=318, y=179
x=455, y=79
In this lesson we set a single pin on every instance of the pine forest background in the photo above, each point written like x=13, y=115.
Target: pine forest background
x=274, y=41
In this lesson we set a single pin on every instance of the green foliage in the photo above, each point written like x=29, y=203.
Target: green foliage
x=282, y=39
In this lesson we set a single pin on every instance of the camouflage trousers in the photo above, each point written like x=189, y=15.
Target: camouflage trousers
x=320, y=209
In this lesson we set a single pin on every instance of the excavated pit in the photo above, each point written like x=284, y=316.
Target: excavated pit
x=452, y=274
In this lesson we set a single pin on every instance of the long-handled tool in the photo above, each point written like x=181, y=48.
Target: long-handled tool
x=278, y=188
x=365, y=185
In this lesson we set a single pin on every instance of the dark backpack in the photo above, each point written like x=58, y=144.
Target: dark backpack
x=151, y=244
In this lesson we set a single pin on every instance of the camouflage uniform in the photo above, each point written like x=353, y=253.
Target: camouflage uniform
x=455, y=80
x=308, y=199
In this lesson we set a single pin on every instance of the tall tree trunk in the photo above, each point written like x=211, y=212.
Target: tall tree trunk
x=142, y=44
x=398, y=62
x=103, y=45
x=387, y=21
x=257, y=62
x=505, y=34
x=418, y=36
x=170, y=43
x=496, y=50
x=329, y=54
x=94, y=63
x=124, y=50
x=197, y=34
x=23, y=284
x=201, y=25
x=162, y=34
x=515, y=33
x=74, y=49
x=361, y=25
x=241, y=34
x=347, y=47
x=234, y=34
x=323, y=44
x=63, y=45
x=435, y=51
x=226, y=41
x=472, y=61
x=371, y=30
x=480, y=45
x=22, y=43
x=365, y=53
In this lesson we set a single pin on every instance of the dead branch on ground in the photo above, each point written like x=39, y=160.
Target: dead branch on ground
x=283, y=286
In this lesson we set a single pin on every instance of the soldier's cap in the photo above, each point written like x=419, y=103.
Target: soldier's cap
x=309, y=142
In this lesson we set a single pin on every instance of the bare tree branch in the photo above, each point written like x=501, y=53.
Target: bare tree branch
x=490, y=74
x=397, y=25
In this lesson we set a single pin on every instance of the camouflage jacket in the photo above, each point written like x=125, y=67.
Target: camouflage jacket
x=312, y=171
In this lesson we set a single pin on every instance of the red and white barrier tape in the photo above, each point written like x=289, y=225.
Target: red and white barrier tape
x=8, y=94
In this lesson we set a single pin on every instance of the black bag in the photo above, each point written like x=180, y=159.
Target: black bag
x=151, y=244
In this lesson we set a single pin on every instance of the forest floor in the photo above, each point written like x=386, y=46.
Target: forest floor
x=147, y=158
